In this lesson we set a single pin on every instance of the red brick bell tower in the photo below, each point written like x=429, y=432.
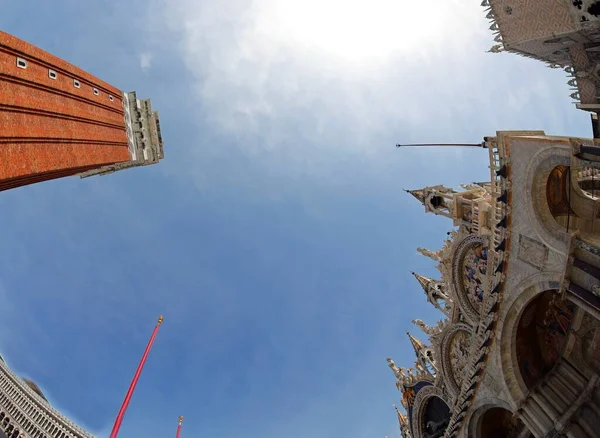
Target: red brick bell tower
x=57, y=120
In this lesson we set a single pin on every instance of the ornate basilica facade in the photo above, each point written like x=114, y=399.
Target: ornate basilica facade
x=517, y=351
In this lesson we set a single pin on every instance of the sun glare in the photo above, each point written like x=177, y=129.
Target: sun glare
x=355, y=30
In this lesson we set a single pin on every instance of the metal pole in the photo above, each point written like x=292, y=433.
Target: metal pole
x=473, y=145
x=119, y=419
x=179, y=427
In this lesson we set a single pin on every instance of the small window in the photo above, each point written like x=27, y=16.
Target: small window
x=95, y=91
x=51, y=74
x=21, y=63
x=76, y=83
x=110, y=98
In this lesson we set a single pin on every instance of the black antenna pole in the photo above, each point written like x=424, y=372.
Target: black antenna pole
x=473, y=145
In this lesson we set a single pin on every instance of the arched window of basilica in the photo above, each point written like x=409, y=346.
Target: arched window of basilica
x=558, y=192
x=436, y=418
x=541, y=336
x=500, y=423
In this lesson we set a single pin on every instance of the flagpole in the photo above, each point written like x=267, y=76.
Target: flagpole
x=179, y=426
x=119, y=419
x=473, y=145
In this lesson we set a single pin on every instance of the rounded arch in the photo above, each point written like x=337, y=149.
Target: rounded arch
x=478, y=409
x=469, y=269
x=446, y=347
x=539, y=170
x=509, y=318
x=421, y=412
x=542, y=335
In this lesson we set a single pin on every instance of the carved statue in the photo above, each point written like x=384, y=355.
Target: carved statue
x=420, y=368
x=398, y=372
x=431, y=331
x=434, y=255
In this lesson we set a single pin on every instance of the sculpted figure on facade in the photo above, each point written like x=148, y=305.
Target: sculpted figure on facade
x=430, y=331
x=434, y=255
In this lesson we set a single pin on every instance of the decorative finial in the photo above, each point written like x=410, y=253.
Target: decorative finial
x=423, y=281
x=418, y=346
x=180, y=419
x=160, y=319
x=418, y=194
x=497, y=48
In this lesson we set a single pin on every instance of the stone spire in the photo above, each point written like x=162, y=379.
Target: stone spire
x=424, y=355
x=423, y=281
x=418, y=194
x=403, y=422
x=435, y=292
x=417, y=345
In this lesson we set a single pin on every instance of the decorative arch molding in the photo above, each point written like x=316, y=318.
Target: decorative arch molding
x=541, y=220
x=446, y=363
x=420, y=404
x=508, y=323
x=461, y=251
x=478, y=409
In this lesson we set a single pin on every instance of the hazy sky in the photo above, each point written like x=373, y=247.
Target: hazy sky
x=274, y=237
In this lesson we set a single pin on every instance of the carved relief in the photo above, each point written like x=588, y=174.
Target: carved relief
x=459, y=355
x=454, y=350
x=469, y=269
x=532, y=252
x=475, y=273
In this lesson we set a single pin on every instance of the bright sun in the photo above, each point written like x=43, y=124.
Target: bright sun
x=355, y=30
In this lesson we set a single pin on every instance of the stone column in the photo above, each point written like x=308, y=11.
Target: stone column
x=571, y=377
x=533, y=414
x=554, y=397
x=563, y=387
x=575, y=431
x=529, y=423
x=539, y=414
x=543, y=402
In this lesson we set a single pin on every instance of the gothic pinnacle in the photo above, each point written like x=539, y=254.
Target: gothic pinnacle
x=417, y=345
x=418, y=194
x=423, y=281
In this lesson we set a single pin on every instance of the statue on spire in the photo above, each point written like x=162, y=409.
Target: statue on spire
x=398, y=373
x=430, y=331
x=433, y=255
x=434, y=290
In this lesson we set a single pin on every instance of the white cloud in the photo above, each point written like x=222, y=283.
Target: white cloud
x=294, y=84
x=145, y=61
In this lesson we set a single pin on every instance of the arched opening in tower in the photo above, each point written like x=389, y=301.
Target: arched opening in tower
x=541, y=335
x=500, y=423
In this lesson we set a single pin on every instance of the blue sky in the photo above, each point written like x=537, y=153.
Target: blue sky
x=274, y=237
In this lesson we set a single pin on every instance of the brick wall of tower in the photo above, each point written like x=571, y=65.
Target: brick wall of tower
x=49, y=128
